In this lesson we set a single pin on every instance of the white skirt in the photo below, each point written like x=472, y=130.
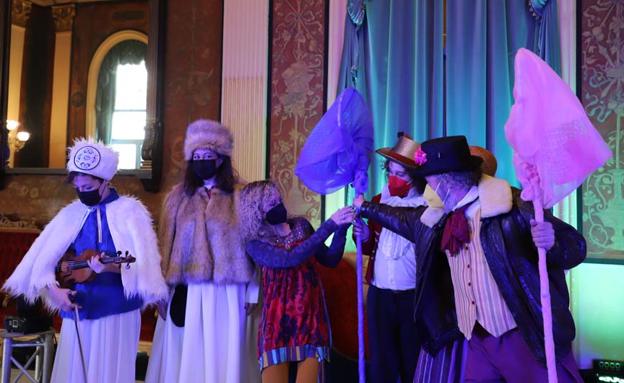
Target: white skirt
x=109, y=345
x=211, y=347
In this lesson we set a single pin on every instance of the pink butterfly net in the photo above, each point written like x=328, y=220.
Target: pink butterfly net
x=555, y=149
x=550, y=132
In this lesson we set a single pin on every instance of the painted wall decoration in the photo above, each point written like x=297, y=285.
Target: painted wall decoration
x=297, y=96
x=602, y=90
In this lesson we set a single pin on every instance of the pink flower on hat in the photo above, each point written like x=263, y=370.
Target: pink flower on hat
x=420, y=157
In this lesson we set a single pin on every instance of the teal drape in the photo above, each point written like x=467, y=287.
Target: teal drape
x=403, y=72
x=482, y=39
x=353, y=60
x=416, y=85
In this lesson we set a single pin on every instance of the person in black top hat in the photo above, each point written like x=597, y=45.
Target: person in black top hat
x=477, y=254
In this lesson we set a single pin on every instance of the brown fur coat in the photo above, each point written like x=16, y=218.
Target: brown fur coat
x=200, y=238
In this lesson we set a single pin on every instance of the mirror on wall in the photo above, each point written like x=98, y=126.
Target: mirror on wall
x=82, y=68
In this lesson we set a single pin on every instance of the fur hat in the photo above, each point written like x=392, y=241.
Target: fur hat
x=94, y=158
x=207, y=134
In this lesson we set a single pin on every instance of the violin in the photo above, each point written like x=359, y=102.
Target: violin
x=73, y=269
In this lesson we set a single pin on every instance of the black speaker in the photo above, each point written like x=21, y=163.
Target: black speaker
x=31, y=317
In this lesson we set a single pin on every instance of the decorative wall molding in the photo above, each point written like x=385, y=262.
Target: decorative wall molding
x=20, y=12
x=64, y=17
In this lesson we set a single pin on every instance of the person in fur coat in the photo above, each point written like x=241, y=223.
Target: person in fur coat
x=200, y=334
x=294, y=325
x=108, y=308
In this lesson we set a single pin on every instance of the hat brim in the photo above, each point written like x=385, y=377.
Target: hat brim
x=431, y=168
x=393, y=156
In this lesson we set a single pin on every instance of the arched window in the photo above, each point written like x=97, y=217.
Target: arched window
x=121, y=99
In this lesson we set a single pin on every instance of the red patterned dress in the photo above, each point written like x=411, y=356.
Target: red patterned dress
x=295, y=323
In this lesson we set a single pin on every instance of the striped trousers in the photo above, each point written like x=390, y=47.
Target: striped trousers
x=447, y=366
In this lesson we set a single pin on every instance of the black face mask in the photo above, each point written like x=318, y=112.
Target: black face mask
x=204, y=169
x=90, y=198
x=277, y=215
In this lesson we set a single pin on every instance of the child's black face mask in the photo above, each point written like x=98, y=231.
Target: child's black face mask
x=277, y=214
x=90, y=198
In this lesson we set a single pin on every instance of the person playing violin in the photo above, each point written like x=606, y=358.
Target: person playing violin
x=107, y=307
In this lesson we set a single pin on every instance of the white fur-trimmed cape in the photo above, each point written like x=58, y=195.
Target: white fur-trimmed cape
x=131, y=228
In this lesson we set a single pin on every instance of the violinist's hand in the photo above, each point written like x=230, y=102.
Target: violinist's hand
x=95, y=264
x=60, y=297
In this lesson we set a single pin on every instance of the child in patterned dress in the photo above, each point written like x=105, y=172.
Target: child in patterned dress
x=294, y=325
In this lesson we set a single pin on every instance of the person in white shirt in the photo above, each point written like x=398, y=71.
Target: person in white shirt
x=391, y=273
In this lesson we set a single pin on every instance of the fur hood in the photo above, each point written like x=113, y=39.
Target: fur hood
x=495, y=197
x=131, y=229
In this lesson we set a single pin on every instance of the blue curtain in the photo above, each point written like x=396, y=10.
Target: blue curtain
x=482, y=39
x=394, y=55
x=398, y=67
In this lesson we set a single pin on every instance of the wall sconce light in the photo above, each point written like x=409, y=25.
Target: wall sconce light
x=17, y=139
x=12, y=125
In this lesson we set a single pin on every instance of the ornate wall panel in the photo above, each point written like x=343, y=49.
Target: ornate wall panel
x=296, y=95
x=602, y=87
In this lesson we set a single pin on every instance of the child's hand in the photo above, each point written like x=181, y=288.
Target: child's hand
x=343, y=216
x=360, y=229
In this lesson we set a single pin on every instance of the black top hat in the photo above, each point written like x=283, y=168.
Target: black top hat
x=446, y=154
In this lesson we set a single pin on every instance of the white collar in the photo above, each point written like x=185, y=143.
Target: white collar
x=472, y=195
x=209, y=184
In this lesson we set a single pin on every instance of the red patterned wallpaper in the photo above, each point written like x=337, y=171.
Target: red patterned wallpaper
x=602, y=88
x=297, y=78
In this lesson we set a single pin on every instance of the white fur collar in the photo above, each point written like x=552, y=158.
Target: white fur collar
x=494, y=196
